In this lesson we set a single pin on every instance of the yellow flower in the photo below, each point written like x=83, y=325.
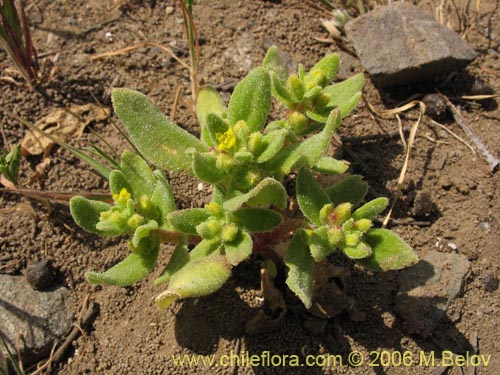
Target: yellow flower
x=122, y=197
x=226, y=140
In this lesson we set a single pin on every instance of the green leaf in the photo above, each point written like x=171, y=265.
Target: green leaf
x=371, y=209
x=274, y=64
x=310, y=196
x=187, y=220
x=239, y=249
x=351, y=189
x=300, y=265
x=132, y=269
x=342, y=94
x=163, y=198
x=349, y=105
x=208, y=102
x=143, y=231
x=360, y=251
x=86, y=213
x=272, y=143
x=251, y=100
x=205, y=168
x=155, y=136
x=267, y=192
x=327, y=67
x=195, y=279
x=280, y=92
x=138, y=175
x=309, y=150
x=214, y=125
x=319, y=245
x=256, y=219
x=118, y=181
x=329, y=165
x=204, y=249
x=179, y=258
x=390, y=252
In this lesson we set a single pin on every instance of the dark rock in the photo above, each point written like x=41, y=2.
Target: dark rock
x=423, y=206
x=400, y=44
x=489, y=282
x=435, y=106
x=427, y=290
x=479, y=87
x=39, y=317
x=40, y=275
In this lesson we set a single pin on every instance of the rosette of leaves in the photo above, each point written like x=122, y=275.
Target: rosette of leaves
x=225, y=229
x=309, y=95
x=142, y=201
x=334, y=225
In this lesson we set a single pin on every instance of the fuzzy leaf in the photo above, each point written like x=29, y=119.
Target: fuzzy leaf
x=256, y=219
x=239, y=249
x=138, y=175
x=390, y=252
x=319, y=245
x=251, y=100
x=274, y=64
x=267, y=192
x=163, y=198
x=157, y=138
x=209, y=102
x=187, y=220
x=343, y=92
x=360, y=251
x=371, y=209
x=272, y=143
x=179, y=258
x=205, y=168
x=351, y=189
x=204, y=249
x=310, y=196
x=132, y=269
x=300, y=265
x=215, y=125
x=327, y=66
x=143, y=231
x=310, y=150
x=195, y=279
x=86, y=213
x=118, y=181
x=280, y=92
x=329, y=165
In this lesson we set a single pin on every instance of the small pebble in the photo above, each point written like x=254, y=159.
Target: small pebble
x=423, y=206
x=40, y=275
x=435, y=106
x=484, y=225
x=489, y=282
x=169, y=10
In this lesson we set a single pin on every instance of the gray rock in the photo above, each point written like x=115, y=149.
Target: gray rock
x=400, y=44
x=38, y=317
x=428, y=288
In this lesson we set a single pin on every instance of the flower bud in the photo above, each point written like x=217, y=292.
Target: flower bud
x=214, y=209
x=363, y=225
x=335, y=236
x=122, y=197
x=134, y=221
x=325, y=212
x=254, y=142
x=341, y=213
x=298, y=122
x=352, y=239
x=229, y=232
x=296, y=87
x=208, y=229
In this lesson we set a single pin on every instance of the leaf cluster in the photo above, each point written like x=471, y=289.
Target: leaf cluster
x=245, y=158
